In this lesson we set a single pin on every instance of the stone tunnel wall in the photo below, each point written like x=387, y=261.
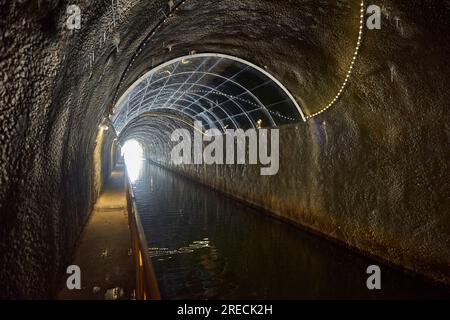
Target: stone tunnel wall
x=48, y=133
x=375, y=163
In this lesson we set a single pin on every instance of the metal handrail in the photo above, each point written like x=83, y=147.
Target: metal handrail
x=146, y=283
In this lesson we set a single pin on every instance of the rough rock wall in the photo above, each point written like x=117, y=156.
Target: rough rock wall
x=47, y=143
x=387, y=132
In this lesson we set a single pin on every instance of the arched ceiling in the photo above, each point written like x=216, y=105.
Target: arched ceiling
x=221, y=91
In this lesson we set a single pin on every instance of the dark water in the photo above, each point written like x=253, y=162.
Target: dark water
x=207, y=246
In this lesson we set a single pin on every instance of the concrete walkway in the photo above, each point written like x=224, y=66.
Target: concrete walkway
x=104, y=250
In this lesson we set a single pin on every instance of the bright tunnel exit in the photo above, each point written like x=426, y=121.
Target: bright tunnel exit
x=133, y=154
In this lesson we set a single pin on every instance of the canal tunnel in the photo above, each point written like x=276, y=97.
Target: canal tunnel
x=361, y=118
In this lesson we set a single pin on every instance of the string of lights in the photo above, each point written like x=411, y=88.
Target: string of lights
x=350, y=69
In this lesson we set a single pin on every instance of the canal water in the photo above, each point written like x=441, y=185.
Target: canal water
x=207, y=246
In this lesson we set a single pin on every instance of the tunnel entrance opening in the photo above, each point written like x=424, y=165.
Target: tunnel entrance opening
x=133, y=154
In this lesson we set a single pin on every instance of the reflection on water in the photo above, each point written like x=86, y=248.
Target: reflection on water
x=195, y=245
x=206, y=246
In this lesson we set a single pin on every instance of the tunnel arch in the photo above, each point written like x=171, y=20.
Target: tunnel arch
x=48, y=136
x=194, y=84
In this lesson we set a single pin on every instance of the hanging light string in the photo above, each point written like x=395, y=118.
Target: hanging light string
x=350, y=69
